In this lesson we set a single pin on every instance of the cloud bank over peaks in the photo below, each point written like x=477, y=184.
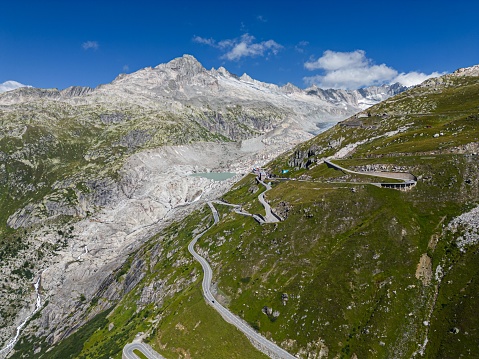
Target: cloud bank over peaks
x=244, y=46
x=11, y=85
x=414, y=78
x=353, y=70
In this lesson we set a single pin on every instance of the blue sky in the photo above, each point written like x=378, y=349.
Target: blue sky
x=345, y=44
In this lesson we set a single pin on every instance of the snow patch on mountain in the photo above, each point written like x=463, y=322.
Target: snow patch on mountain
x=11, y=85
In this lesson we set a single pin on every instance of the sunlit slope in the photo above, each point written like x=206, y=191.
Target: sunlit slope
x=358, y=270
x=352, y=270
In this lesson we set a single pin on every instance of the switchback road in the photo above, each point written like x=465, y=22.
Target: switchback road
x=270, y=217
x=266, y=346
x=142, y=347
x=263, y=344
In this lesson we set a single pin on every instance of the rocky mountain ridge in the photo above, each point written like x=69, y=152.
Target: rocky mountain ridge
x=353, y=270
x=88, y=175
x=186, y=81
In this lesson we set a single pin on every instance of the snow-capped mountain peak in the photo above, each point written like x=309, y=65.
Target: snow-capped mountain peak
x=11, y=85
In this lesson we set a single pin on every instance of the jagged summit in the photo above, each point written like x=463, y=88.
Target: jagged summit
x=187, y=65
x=467, y=71
x=182, y=60
x=290, y=88
x=223, y=72
x=184, y=80
x=246, y=78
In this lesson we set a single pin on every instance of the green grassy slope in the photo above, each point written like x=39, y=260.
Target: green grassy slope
x=346, y=255
x=353, y=270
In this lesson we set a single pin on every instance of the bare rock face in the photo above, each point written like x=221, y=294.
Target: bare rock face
x=467, y=71
x=359, y=99
x=282, y=209
x=424, y=269
x=27, y=94
x=75, y=91
x=466, y=228
x=187, y=67
x=154, y=187
x=445, y=81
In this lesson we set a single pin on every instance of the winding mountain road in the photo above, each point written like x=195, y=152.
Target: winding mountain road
x=260, y=219
x=216, y=216
x=142, y=347
x=269, y=217
x=408, y=179
x=263, y=344
x=266, y=346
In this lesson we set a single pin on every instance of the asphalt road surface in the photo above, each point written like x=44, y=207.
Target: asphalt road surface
x=268, y=347
x=269, y=217
x=142, y=347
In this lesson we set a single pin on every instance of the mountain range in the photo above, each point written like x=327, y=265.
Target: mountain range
x=100, y=170
x=185, y=81
x=100, y=208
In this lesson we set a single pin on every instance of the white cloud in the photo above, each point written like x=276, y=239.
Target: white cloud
x=413, y=78
x=224, y=44
x=11, y=85
x=90, y=45
x=354, y=77
x=353, y=70
x=300, y=46
x=202, y=40
x=261, y=18
x=243, y=46
x=126, y=68
x=331, y=60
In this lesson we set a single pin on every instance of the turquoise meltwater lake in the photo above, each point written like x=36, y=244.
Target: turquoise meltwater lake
x=216, y=176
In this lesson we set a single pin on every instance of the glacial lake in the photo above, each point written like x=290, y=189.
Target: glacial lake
x=216, y=176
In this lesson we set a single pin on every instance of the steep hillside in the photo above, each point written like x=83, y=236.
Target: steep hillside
x=353, y=270
x=88, y=175
x=360, y=271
